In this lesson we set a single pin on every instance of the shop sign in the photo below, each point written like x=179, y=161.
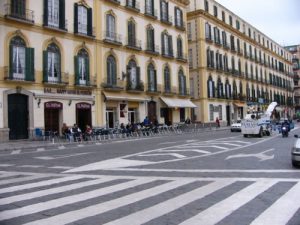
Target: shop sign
x=53, y=105
x=63, y=91
x=83, y=105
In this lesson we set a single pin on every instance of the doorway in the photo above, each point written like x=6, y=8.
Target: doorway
x=51, y=112
x=18, y=116
x=110, y=117
x=83, y=115
x=152, y=111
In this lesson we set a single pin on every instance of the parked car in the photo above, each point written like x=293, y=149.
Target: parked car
x=236, y=127
x=296, y=152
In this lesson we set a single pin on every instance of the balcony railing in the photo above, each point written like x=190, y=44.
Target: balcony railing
x=60, y=78
x=118, y=85
x=18, y=77
x=168, y=20
x=134, y=43
x=167, y=54
x=170, y=90
x=180, y=26
x=152, y=49
x=150, y=12
x=184, y=92
x=83, y=30
x=54, y=23
x=19, y=13
x=133, y=5
x=86, y=83
x=138, y=87
x=112, y=37
x=155, y=89
x=181, y=56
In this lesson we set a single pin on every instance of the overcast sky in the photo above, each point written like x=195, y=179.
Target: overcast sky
x=278, y=19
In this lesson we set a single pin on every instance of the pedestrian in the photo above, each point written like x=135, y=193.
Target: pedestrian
x=218, y=122
x=146, y=121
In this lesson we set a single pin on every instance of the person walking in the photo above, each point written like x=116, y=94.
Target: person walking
x=218, y=122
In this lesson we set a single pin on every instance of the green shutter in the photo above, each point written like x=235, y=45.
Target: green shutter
x=29, y=61
x=213, y=89
x=90, y=22
x=45, y=66
x=46, y=12
x=138, y=78
x=87, y=63
x=163, y=51
x=76, y=18
x=62, y=16
x=170, y=42
x=11, y=61
x=76, y=69
x=155, y=81
x=175, y=14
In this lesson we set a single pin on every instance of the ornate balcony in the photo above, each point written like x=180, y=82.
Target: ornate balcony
x=152, y=49
x=19, y=13
x=118, y=85
x=112, y=38
x=167, y=21
x=134, y=43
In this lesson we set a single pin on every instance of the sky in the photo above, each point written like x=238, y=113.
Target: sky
x=278, y=19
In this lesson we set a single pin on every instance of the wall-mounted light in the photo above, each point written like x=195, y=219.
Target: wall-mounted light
x=39, y=102
x=70, y=102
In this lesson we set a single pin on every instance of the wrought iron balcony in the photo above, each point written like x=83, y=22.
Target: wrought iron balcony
x=86, y=83
x=112, y=37
x=168, y=90
x=167, y=20
x=137, y=87
x=133, y=5
x=167, y=54
x=150, y=12
x=59, y=78
x=56, y=25
x=117, y=85
x=152, y=49
x=134, y=43
x=181, y=56
x=154, y=89
x=180, y=26
x=9, y=75
x=82, y=30
x=19, y=13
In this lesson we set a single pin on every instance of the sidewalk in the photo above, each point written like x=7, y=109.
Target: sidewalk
x=30, y=144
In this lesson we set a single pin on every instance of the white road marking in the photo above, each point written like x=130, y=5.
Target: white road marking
x=261, y=155
x=39, y=184
x=56, y=190
x=61, y=156
x=40, y=149
x=31, y=166
x=282, y=210
x=165, y=207
x=93, y=210
x=61, y=167
x=166, y=143
x=219, y=211
x=176, y=155
x=15, y=152
x=186, y=150
x=38, y=207
x=61, y=147
x=20, y=179
x=6, y=165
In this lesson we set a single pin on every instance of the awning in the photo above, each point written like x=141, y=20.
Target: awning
x=178, y=103
x=125, y=97
x=239, y=104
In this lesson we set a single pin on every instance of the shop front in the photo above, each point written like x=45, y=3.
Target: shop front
x=53, y=116
x=83, y=115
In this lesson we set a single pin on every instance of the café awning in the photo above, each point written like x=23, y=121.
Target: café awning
x=239, y=104
x=125, y=97
x=178, y=103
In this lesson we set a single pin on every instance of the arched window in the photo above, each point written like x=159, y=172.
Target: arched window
x=167, y=44
x=179, y=48
x=83, y=19
x=111, y=71
x=167, y=80
x=133, y=80
x=82, y=72
x=150, y=39
x=152, y=80
x=220, y=88
x=182, y=83
x=131, y=34
x=52, y=64
x=227, y=89
x=210, y=88
x=110, y=27
x=17, y=58
x=149, y=7
x=164, y=10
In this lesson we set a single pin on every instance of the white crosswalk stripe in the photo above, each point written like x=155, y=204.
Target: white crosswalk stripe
x=169, y=195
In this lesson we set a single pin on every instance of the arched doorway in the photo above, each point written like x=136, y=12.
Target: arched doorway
x=17, y=116
x=83, y=115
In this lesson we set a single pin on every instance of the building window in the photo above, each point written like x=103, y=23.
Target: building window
x=182, y=83
x=131, y=34
x=83, y=20
x=18, y=8
x=189, y=31
x=223, y=17
x=249, y=32
x=211, y=112
x=220, y=90
x=230, y=20
x=150, y=39
x=237, y=25
x=149, y=7
x=227, y=89
x=167, y=79
x=52, y=64
x=110, y=27
x=206, y=7
x=208, y=31
x=178, y=17
x=21, y=62
x=111, y=70
x=210, y=88
x=167, y=45
x=82, y=68
x=164, y=10
x=224, y=37
x=54, y=14
x=179, y=48
x=217, y=35
x=134, y=75
x=220, y=113
x=210, y=58
x=215, y=11
x=191, y=58
x=152, y=80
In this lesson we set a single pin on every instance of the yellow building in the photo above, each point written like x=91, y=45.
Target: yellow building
x=99, y=63
x=234, y=68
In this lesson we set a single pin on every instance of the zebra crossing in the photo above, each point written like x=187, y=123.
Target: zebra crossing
x=41, y=199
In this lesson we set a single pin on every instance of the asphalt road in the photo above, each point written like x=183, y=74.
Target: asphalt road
x=215, y=177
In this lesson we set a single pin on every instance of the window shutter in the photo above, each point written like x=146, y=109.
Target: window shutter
x=175, y=14
x=161, y=11
x=87, y=63
x=213, y=89
x=184, y=85
x=62, y=16
x=181, y=19
x=46, y=12
x=170, y=42
x=163, y=51
x=29, y=74
x=114, y=73
x=76, y=18
x=11, y=61
x=90, y=22
x=148, y=78
x=229, y=91
x=155, y=81
x=45, y=66
x=76, y=69
x=138, y=74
